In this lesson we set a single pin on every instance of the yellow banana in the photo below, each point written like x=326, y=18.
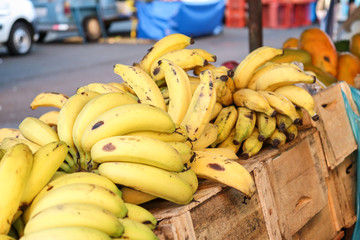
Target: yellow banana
x=91, y=110
x=251, y=146
x=124, y=119
x=66, y=233
x=216, y=110
x=183, y=58
x=197, y=70
x=291, y=132
x=137, y=149
x=141, y=215
x=300, y=97
x=179, y=135
x=48, y=99
x=207, y=138
x=283, y=122
x=136, y=230
x=253, y=100
x=15, y=167
x=183, y=149
x=142, y=84
x=225, y=121
x=224, y=170
x=98, y=87
x=179, y=88
x=201, y=106
x=276, y=75
x=277, y=139
x=266, y=125
x=50, y=118
x=47, y=160
x=207, y=55
x=282, y=105
x=252, y=61
x=84, y=193
x=9, y=142
x=245, y=124
x=10, y=132
x=75, y=215
x=135, y=196
x=148, y=179
x=229, y=142
x=167, y=44
x=189, y=176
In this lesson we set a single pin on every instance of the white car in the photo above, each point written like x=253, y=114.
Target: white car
x=17, y=29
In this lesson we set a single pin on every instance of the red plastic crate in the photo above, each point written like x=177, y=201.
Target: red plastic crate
x=235, y=18
x=277, y=14
x=235, y=4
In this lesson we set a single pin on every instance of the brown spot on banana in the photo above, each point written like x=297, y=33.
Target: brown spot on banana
x=216, y=167
x=109, y=147
x=98, y=124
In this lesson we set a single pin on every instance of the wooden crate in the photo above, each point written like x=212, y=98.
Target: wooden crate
x=334, y=126
x=341, y=183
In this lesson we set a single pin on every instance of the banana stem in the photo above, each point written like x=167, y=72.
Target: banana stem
x=64, y=166
x=19, y=226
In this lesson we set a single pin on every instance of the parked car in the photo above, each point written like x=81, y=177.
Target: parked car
x=90, y=18
x=17, y=27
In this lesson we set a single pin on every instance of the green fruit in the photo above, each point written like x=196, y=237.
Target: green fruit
x=291, y=55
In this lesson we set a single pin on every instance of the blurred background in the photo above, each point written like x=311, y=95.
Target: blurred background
x=60, y=45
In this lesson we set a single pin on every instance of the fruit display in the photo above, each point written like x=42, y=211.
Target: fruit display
x=84, y=168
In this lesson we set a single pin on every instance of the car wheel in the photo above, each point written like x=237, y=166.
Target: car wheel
x=20, y=39
x=92, y=29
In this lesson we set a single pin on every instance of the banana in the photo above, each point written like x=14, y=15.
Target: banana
x=141, y=215
x=66, y=233
x=197, y=70
x=75, y=215
x=201, y=106
x=207, y=138
x=15, y=167
x=124, y=119
x=207, y=55
x=9, y=142
x=226, y=97
x=225, y=122
x=84, y=193
x=225, y=74
x=179, y=88
x=245, y=124
x=136, y=230
x=137, y=149
x=252, y=61
x=10, y=132
x=37, y=131
x=179, y=135
x=224, y=170
x=167, y=44
x=216, y=110
x=6, y=237
x=121, y=86
x=71, y=178
x=142, y=84
x=183, y=58
x=229, y=142
x=277, y=139
x=67, y=116
x=98, y=87
x=183, y=149
x=276, y=75
x=283, y=122
x=219, y=152
x=253, y=100
x=266, y=125
x=40, y=133
x=91, y=110
x=135, y=196
x=252, y=145
x=300, y=97
x=148, y=179
x=282, y=105
x=2, y=152
x=189, y=176
x=50, y=118
x=291, y=132
x=47, y=160
x=48, y=99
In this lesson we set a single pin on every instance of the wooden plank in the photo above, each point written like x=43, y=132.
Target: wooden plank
x=297, y=185
x=334, y=126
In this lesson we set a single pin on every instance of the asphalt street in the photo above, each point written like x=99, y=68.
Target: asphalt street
x=63, y=66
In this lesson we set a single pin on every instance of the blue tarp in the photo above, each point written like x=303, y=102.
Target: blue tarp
x=157, y=19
